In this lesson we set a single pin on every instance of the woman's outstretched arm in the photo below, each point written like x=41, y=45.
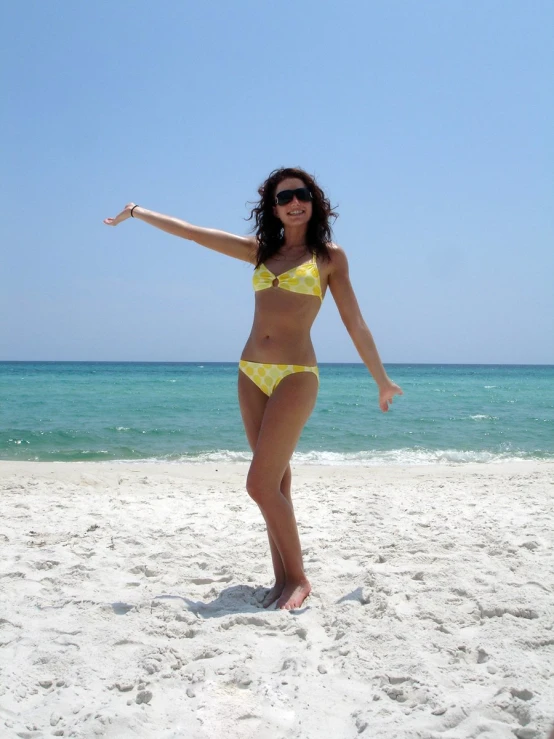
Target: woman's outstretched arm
x=343, y=294
x=239, y=247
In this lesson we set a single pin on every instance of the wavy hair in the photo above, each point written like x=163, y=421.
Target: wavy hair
x=269, y=229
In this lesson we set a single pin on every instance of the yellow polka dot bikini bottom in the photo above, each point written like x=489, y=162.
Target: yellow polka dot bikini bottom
x=268, y=376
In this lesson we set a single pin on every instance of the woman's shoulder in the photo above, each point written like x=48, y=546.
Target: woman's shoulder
x=335, y=261
x=337, y=255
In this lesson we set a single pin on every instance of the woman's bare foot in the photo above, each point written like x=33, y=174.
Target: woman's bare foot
x=273, y=594
x=294, y=594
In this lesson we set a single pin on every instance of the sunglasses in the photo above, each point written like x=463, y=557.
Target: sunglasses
x=285, y=196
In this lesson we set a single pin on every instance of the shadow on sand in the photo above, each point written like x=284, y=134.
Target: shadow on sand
x=235, y=599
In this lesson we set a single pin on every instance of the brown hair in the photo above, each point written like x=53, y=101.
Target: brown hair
x=269, y=229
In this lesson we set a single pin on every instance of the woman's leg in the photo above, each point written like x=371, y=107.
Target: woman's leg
x=252, y=405
x=278, y=566
x=284, y=417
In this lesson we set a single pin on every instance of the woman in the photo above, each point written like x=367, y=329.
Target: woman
x=295, y=261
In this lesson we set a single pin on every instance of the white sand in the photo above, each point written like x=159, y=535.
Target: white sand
x=129, y=604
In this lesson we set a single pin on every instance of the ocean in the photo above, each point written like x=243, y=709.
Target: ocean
x=84, y=411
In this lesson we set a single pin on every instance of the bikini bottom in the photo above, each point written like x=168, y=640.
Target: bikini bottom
x=268, y=376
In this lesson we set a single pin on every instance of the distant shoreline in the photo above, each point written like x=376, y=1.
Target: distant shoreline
x=235, y=361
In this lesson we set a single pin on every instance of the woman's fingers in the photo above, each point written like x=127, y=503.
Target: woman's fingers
x=112, y=221
x=125, y=213
x=387, y=394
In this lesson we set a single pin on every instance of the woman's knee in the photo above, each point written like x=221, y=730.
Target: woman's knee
x=254, y=487
x=287, y=477
x=259, y=487
x=286, y=482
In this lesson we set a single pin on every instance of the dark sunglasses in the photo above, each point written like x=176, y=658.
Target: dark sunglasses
x=285, y=196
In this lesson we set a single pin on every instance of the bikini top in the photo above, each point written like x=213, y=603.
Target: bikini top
x=302, y=279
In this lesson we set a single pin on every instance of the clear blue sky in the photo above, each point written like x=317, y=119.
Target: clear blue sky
x=429, y=124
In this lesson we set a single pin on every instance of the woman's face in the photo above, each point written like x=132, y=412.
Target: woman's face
x=297, y=211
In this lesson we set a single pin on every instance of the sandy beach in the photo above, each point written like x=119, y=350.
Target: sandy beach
x=130, y=603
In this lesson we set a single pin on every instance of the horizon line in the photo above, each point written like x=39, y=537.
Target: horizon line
x=204, y=362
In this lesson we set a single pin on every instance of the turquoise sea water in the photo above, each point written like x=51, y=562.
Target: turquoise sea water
x=153, y=411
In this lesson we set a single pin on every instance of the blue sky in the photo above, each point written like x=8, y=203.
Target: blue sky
x=428, y=123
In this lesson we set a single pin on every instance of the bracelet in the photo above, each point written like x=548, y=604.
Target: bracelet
x=132, y=209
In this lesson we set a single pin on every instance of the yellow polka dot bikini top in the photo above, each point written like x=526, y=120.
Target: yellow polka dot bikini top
x=302, y=279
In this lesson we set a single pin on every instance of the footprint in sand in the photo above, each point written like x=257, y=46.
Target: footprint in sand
x=404, y=689
x=144, y=569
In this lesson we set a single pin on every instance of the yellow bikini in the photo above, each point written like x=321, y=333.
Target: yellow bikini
x=268, y=376
x=302, y=279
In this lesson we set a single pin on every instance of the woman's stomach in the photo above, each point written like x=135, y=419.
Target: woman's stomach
x=280, y=348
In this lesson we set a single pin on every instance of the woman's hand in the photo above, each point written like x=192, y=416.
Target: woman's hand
x=125, y=213
x=387, y=391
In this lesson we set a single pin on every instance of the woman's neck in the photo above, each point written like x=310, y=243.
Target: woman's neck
x=295, y=238
x=294, y=252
